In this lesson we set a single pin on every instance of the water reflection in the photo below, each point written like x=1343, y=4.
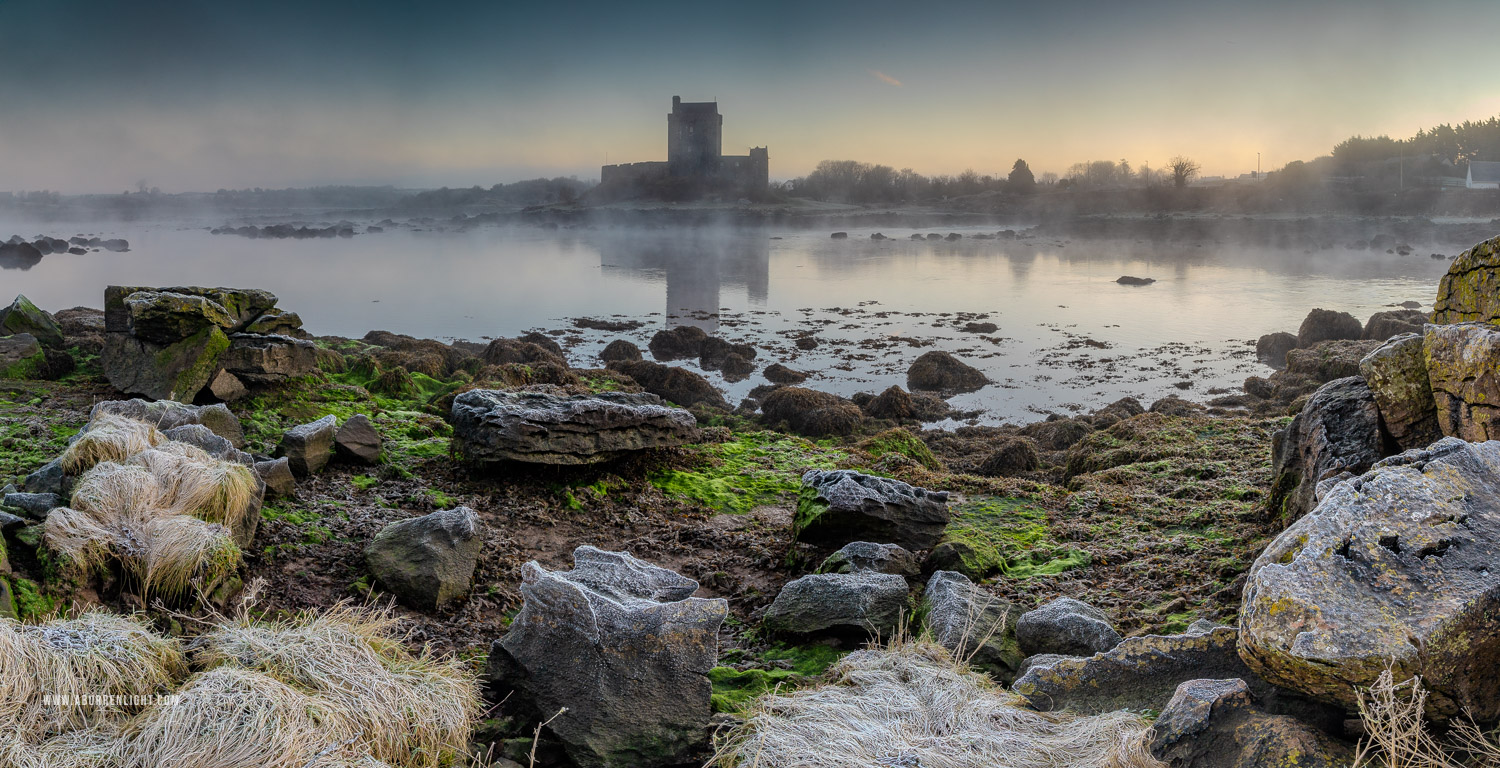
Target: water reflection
x=695, y=266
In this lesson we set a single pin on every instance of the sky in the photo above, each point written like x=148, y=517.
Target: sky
x=103, y=96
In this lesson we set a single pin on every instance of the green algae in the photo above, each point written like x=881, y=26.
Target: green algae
x=1009, y=537
x=788, y=666
x=900, y=441
x=753, y=469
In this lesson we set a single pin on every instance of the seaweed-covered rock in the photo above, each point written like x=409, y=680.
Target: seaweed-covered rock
x=940, y=371
x=1470, y=291
x=495, y=425
x=21, y=357
x=861, y=602
x=1011, y=457
x=625, y=648
x=1116, y=412
x=673, y=384
x=1396, y=373
x=1463, y=370
x=1328, y=325
x=276, y=322
x=1327, y=360
x=1215, y=724
x=1337, y=431
x=1396, y=566
x=1057, y=434
x=841, y=505
x=680, y=343
x=1068, y=627
x=24, y=317
x=427, y=561
x=977, y=627
x=1383, y=325
x=894, y=403
x=619, y=349
x=504, y=351
x=776, y=373
x=868, y=556
x=307, y=447
x=810, y=412
x=1272, y=348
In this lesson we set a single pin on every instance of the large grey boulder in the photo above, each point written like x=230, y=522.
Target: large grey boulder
x=163, y=317
x=427, y=561
x=1462, y=362
x=176, y=371
x=1396, y=373
x=1337, y=432
x=979, y=628
x=868, y=556
x=268, y=359
x=625, y=648
x=493, y=425
x=307, y=447
x=1215, y=724
x=1396, y=567
x=24, y=317
x=170, y=414
x=852, y=603
x=1068, y=627
x=841, y=505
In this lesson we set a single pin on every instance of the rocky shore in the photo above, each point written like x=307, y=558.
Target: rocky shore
x=611, y=549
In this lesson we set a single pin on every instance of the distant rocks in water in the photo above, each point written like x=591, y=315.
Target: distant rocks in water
x=1470, y=291
x=1395, y=568
x=22, y=256
x=1130, y=280
x=810, y=412
x=979, y=328
x=940, y=371
x=1328, y=325
x=840, y=236
x=534, y=427
x=680, y=343
x=19, y=253
x=1410, y=305
x=776, y=373
x=170, y=343
x=613, y=326
x=619, y=350
x=840, y=506
x=1271, y=348
x=806, y=343
x=878, y=236
x=285, y=231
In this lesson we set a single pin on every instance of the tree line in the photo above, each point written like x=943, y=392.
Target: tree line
x=851, y=181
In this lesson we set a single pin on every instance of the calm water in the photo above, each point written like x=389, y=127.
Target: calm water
x=1069, y=337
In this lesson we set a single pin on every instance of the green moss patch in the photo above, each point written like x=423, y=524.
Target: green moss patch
x=1009, y=537
x=789, y=666
x=901, y=442
x=751, y=470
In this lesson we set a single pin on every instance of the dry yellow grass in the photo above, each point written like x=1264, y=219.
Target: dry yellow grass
x=109, y=438
x=195, y=483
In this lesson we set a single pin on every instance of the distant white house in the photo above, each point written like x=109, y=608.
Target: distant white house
x=1483, y=175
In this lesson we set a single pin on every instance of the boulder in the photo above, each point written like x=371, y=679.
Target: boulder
x=261, y=359
x=1462, y=372
x=1258, y=386
x=164, y=318
x=940, y=371
x=680, y=343
x=1327, y=325
x=1395, y=567
x=495, y=425
x=810, y=412
x=1470, y=291
x=736, y=367
x=276, y=322
x=1271, y=349
x=620, y=349
x=1328, y=360
x=32, y=505
x=841, y=505
x=427, y=561
x=277, y=475
x=1013, y=456
x=227, y=387
x=894, y=403
x=358, y=441
x=1396, y=373
x=714, y=351
x=867, y=556
x=625, y=648
x=167, y=414
x=1116, y=412
x=1384, y=325
x=1215, y=724
x=1337, y=431
x=49, y=478
x=177, y=371
x=978, y=628
x=676, y=385
x=503, y=351
x=307, y=447
x=776, y=373
x=861, y=603
x=240, y=305
x=24, y=317
x=21, y=357
x=1066, y=626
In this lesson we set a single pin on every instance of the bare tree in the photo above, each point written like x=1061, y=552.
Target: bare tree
x=1183, y=170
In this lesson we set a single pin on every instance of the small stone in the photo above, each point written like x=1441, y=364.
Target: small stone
x=227, y=387
x=277, y=475
x=309, y=446
x=427, y=561
x=357, y=440
x=863, y=603
x=1066, y=626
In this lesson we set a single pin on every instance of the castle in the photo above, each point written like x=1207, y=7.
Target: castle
x=696, y=163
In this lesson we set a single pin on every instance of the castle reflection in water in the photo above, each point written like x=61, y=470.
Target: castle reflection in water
x=696, y=266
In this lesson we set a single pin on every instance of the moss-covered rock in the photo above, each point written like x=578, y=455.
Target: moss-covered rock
x=24, y=317
x=1463, y=369
x=1396, y=373
x=1007, y=536
x=21, y=357
x=1470, y=290
x=173, y=372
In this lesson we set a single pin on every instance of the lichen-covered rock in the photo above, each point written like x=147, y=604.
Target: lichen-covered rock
x=841, y=505
x=358, y=441
x=869, y=556
x=427, y=561
x=1068, y=627
x=494, y=425
x=1272, y=348
x=1327, y=325
x=625, y=648
x=168, y=414
x=977, y=627
x=1396, y=373
x=1337, y=431
x=1383, y=325
x=1397, y=566
x=263, y=359
x=940, y=371
x=163, y=317
x=307, y=447
x=177, y=371
x=242, y=305
x=24, y=317
x=276, y=322
x=1463, y=370
x=1470, y=291
x=21, y=357
x=862, y=602
x=1328, y=360
x=1215, y=724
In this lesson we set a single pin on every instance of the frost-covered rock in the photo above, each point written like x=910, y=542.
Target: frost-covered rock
x=494, y=425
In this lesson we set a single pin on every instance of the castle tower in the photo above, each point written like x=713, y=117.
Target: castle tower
x=694, y=139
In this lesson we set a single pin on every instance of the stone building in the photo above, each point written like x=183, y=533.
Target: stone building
x=696, y=163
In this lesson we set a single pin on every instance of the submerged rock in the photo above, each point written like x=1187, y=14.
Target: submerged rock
x=625, y=648
x=1396, y=567
x=1337, y=432
x=494, y=425
x=1396, y=373
x=841, y=505
x=427, y=561
x=861, y=602
x=1132, y=280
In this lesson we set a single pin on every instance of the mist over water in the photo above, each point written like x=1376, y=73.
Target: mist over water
x=1069, y=337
